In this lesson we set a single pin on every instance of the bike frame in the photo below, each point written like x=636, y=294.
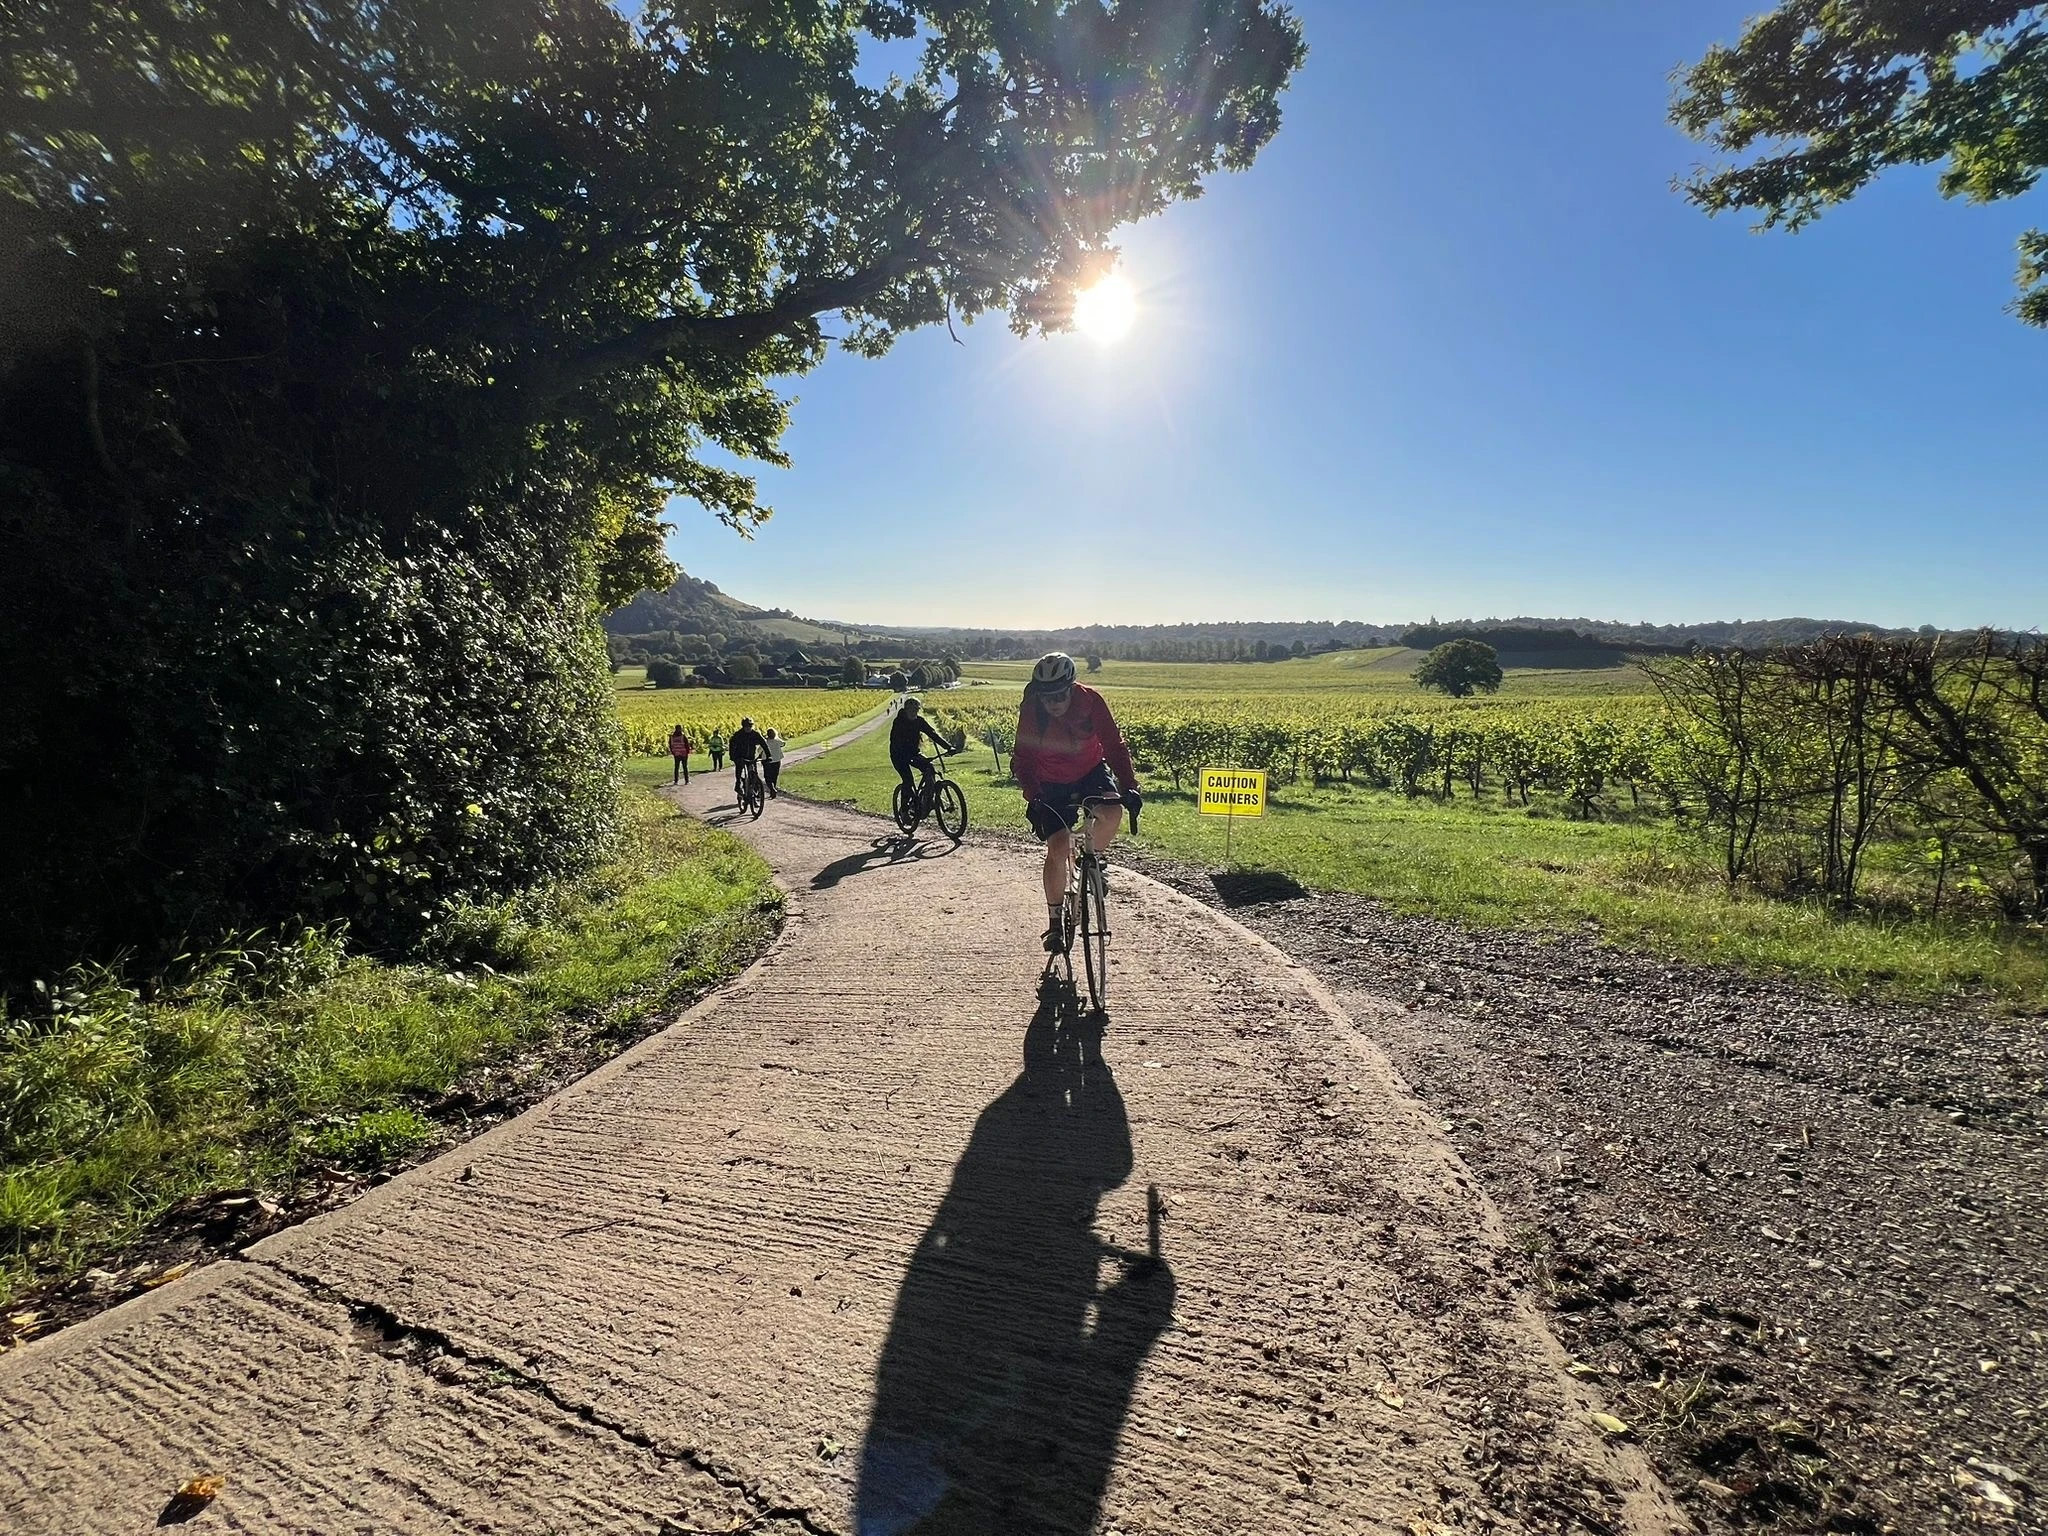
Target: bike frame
x=753, y=778
x=928, y=790
x=1085, y=878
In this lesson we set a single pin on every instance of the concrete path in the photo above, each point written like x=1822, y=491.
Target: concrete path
x=864, y=1244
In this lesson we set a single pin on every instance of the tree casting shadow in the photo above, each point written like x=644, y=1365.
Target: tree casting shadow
x=1009, y=1365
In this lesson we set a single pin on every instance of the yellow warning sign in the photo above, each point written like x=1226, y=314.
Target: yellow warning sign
x=1233, y=792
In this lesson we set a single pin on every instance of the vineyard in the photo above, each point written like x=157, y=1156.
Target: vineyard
x=1582, y=750
x=646, y=715
x=1801, y=770
x=1545, y=808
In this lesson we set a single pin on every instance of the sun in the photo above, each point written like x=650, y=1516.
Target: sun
x=1106, y=312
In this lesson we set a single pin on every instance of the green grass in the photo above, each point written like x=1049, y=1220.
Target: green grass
x=1639, y=882
x=118, y=1106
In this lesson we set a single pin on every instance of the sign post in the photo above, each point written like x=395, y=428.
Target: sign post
x=1231, y=793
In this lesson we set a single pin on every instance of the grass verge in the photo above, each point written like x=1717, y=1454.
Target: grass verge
x=1641, y=884
x=260, y=1064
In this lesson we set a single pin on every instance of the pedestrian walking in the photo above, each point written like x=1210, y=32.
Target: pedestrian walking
x=679, y=748
x=775, y=746
x=716, y=746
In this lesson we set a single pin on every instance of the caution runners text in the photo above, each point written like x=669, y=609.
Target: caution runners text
x=1233, y=792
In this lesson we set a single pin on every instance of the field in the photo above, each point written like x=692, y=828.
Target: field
x=1385, y=671
x=1568, y=835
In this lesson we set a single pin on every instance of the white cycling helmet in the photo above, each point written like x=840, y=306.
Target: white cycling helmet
x=1055, y=670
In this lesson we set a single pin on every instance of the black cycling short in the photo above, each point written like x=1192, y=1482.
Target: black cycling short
x=1058, y=806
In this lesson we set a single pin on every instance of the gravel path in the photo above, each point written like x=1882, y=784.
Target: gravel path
x=883, y=1238
x=1804, y=1240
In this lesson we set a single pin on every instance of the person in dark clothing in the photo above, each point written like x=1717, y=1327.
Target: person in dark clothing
x=747, y=747
x=905, y=736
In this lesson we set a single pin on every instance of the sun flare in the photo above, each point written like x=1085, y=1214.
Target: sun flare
x=1106, y=312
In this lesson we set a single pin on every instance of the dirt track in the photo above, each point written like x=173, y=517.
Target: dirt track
x=860, y=1244
x=1804, y=1237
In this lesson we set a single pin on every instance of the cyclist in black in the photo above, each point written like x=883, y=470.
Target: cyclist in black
x=905, y=735
x=747, y=746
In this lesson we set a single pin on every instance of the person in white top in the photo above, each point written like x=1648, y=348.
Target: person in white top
x=775, y=746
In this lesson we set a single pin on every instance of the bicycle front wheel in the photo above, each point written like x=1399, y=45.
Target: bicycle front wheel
x=757, y=799
x=950, y=808
x=1094, y=935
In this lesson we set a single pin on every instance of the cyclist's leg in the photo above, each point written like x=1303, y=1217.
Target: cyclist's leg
x=1104, y=821
x=1054, y=819
x=1059, y=850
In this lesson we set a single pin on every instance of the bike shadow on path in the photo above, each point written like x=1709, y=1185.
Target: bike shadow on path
x=880, y=854
x=1009, y=1366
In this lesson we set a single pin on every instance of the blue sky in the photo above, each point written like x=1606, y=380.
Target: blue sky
x=1453, y=347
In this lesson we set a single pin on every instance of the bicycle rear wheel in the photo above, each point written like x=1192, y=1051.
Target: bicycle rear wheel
x=903, y=806
x=1094, y=934
x=949, y=806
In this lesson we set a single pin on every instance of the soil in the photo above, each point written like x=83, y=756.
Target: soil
x=1800, y=1241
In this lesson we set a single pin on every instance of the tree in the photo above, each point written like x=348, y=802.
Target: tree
x=852, y=672
x=359, y=346
x=1459, y=668
x=664, y=674
x=1834, y=92
x=1094, y=662
x=743, y=667
x=1977, y=709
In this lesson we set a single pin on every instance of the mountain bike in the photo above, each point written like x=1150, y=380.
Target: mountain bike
x=1084, y=914
x=753, y=793
x=937, y=797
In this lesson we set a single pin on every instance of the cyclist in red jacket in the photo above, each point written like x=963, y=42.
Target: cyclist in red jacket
x=1068, y=750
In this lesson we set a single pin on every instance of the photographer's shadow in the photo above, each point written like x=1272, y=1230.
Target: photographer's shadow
x=1009, y=1366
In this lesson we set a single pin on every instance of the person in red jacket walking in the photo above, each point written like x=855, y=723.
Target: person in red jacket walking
x=1069, y=750
x=679, y=748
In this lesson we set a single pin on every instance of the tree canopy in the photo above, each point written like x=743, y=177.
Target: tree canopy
x=348, y=352
x=1460, y=668
x=1818, y=97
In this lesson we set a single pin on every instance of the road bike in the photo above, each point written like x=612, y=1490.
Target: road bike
x=937, y=797
x=1084, y=914
x=753, y=793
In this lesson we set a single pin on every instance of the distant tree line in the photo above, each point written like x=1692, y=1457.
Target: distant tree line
x=1514, y=638
x=1168, y=642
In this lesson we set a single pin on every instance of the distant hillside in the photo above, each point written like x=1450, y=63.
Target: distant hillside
x=694, y=618
x=694, y=608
